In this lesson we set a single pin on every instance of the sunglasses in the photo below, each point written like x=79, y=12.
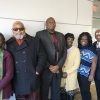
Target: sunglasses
x=20, y=29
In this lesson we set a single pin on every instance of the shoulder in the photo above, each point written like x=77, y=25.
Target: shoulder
x=10, y=41
x=41, y=32
x=90, y=50
x=93, y=49
x=33, y=40
x=59, y=33
x=29, y=36
x=36, y=40
x=94, y=44
x=76, y=49
x=29, y=39
x=6, y=53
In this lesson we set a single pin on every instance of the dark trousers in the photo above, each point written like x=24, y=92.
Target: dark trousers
x=33, y=96
x=97, y=83
x=84, y=85
x=66, y=95
x=70, y=95
x=54, y=85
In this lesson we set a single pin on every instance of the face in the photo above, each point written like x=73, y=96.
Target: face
x=69, y=41
x=84, y=41
x=1, y=41
x=18, y=31
x=97, y=36
x=50, y=24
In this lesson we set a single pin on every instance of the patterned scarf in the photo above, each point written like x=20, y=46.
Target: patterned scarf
x=1, y=69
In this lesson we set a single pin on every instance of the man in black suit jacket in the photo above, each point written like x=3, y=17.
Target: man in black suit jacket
x=54, y=46
x=29, y=60
x=97, y=73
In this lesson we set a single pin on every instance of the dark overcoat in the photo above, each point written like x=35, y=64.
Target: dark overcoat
x=28, y=59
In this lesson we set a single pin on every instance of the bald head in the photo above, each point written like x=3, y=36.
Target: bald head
x=18, y=23
x=50, y=24
x=18, y=30
x=97, y=35
x=50, y=18
x=97, y=31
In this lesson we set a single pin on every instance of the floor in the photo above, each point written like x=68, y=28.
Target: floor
x=78, y=96
x=93, y=93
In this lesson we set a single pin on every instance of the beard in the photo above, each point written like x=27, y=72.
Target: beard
x=19, y=36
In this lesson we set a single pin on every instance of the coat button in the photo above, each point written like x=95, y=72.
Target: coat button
x=25, y=70
x=24, y=61
x=23, y=52
x=17, y=71
x=16, y=62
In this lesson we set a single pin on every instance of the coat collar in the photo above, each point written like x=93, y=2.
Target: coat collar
x=27, y=40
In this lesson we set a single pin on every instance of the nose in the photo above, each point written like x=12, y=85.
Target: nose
x=18, y=30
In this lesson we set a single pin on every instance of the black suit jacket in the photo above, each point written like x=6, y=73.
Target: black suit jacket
x=45, y=39
x=97, y=72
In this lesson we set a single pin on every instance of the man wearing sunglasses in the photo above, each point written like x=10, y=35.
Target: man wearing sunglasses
x=29, y=60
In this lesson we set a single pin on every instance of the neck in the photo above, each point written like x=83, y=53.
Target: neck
x=69, y=47
x=19, y=39
x=51, y=31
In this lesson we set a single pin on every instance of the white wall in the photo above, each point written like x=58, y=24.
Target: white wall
x=71, y=15
x=39, y=10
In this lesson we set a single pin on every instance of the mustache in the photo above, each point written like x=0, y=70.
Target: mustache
x=19, y=36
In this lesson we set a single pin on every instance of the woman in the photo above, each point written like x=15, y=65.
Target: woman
x=6, y=71
x=87, y=67
x=70, y=67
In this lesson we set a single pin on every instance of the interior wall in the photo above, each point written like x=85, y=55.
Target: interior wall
x=71, y=15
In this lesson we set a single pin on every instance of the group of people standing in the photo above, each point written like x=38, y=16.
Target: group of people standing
x=34, y=67
x=82, y=65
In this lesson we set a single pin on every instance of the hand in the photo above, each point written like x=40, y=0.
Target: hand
x=37, y=73
x=91, y=77
x=54, y=69
x=64, y=75
x=51, y=67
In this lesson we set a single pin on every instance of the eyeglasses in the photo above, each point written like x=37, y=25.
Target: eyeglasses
x=97, y=33
x=16, y=29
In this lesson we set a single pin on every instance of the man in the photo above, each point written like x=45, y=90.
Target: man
x=54, y=46
x=97, y=73
x=29, y=61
